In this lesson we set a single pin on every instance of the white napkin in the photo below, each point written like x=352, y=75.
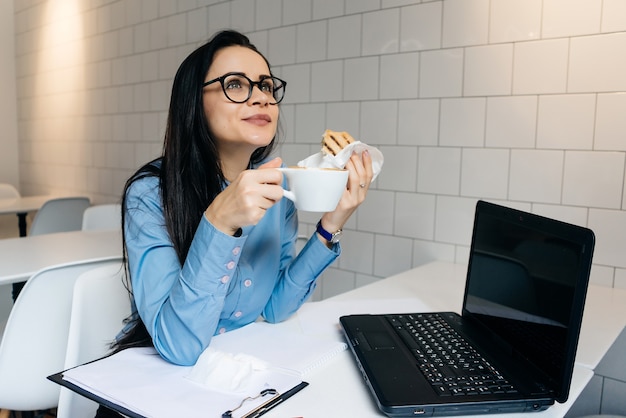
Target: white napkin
x=218, y=370
x=323, y=160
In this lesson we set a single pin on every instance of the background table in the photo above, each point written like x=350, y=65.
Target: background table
x=21, y=206
x=21, y=257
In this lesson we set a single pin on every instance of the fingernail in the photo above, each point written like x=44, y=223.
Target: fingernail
x=366, y=152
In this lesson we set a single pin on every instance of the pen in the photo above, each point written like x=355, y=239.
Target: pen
x=276, y=401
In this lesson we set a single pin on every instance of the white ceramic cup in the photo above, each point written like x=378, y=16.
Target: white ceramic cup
x=315, y=189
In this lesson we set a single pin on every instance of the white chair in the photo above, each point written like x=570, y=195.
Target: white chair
x=34, y=343
x=301, y=241
x=99, y=306
x=107, y=216
x=56, y=215
x=8, y=191
x=59, y=215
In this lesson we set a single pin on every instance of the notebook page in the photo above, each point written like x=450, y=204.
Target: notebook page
x=138, y=379
x=281, y=348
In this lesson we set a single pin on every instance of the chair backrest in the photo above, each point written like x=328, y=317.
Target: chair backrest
x=59, y=215
x=34, y=342
x=301, y=241
x=8, y=191
x=100, y=304
x=107, y=216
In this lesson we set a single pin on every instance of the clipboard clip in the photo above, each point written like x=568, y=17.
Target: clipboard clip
x=265, y=392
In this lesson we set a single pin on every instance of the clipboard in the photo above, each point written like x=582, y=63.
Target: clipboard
x=58, y=378
x=254, y=413
x=266, y=406
x=157, y=387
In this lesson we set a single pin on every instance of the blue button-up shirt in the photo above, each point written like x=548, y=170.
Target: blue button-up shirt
x=225, y=283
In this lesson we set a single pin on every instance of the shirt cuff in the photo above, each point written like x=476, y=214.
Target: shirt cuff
x=212, y=259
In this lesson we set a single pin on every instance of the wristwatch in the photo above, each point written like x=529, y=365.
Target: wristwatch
x=333, y=238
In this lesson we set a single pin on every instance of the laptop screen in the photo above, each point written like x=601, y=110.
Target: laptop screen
x=522, y=285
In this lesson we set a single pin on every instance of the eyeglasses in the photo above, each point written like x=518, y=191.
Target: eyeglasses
x=238, y=88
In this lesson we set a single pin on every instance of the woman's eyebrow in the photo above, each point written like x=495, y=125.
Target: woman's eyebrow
x=261, y=76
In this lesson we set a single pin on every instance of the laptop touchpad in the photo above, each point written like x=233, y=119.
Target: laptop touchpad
x=380, y=340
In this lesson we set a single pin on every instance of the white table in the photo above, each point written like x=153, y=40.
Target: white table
x=442, y=286
x=603, y=321
x=21, y=206
x=337, y=388
x=21, y=257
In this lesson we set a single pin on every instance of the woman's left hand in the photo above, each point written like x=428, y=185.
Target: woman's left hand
x=359, y=180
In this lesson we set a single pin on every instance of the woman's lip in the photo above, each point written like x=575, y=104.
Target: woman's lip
x=260, y=118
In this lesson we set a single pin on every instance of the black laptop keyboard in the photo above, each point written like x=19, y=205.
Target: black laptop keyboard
x=451, y=365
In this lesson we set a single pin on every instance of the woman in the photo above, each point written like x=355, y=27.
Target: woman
x=209, y=241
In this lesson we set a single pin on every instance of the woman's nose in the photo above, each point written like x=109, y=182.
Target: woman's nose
x=259, y=96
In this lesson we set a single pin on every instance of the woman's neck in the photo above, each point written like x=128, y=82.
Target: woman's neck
x=234, y=163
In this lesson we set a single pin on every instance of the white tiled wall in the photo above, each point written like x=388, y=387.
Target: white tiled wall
x=519, y=101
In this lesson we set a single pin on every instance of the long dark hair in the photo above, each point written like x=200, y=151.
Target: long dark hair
x=190, y=174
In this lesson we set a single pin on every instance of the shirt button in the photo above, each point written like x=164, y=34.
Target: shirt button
x=247, y=283
x=236, y=250
x=230, y=265
x=238, y=314
x=225, y=279
x=222, y=330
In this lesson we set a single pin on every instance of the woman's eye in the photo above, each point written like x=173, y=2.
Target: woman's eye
x=233, y=84
x=267, y=87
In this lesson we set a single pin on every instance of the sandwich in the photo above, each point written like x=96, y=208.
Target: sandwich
x=333, y=142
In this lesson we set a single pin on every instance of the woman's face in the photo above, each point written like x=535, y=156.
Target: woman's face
x=251, y=124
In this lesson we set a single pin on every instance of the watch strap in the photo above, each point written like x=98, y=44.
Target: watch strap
x=333, y=238
x=324, y=233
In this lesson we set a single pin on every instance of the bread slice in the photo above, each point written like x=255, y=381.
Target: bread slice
x=333, y=142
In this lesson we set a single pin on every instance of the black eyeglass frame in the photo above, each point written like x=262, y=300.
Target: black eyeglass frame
x=252, y=84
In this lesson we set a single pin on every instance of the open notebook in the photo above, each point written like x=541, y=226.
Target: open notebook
x=137, y=382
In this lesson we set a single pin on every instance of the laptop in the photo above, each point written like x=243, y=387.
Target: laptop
x=512, y=349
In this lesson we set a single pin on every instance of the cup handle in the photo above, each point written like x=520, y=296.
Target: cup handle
x=289, y=195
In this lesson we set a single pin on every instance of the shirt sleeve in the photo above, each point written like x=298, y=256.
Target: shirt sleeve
x=180, y=306
x=225, y=282
x=298, y=275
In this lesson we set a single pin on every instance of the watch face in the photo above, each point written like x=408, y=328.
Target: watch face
x=336, y=237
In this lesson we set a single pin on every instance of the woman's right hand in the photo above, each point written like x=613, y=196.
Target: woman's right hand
x=245, y=201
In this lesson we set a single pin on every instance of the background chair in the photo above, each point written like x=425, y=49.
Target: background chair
x=301, y=241
x=102, y=217
x=56, y=215
x=34, y=343
x=8, y=191
x=99, y=306
x=60, y=215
